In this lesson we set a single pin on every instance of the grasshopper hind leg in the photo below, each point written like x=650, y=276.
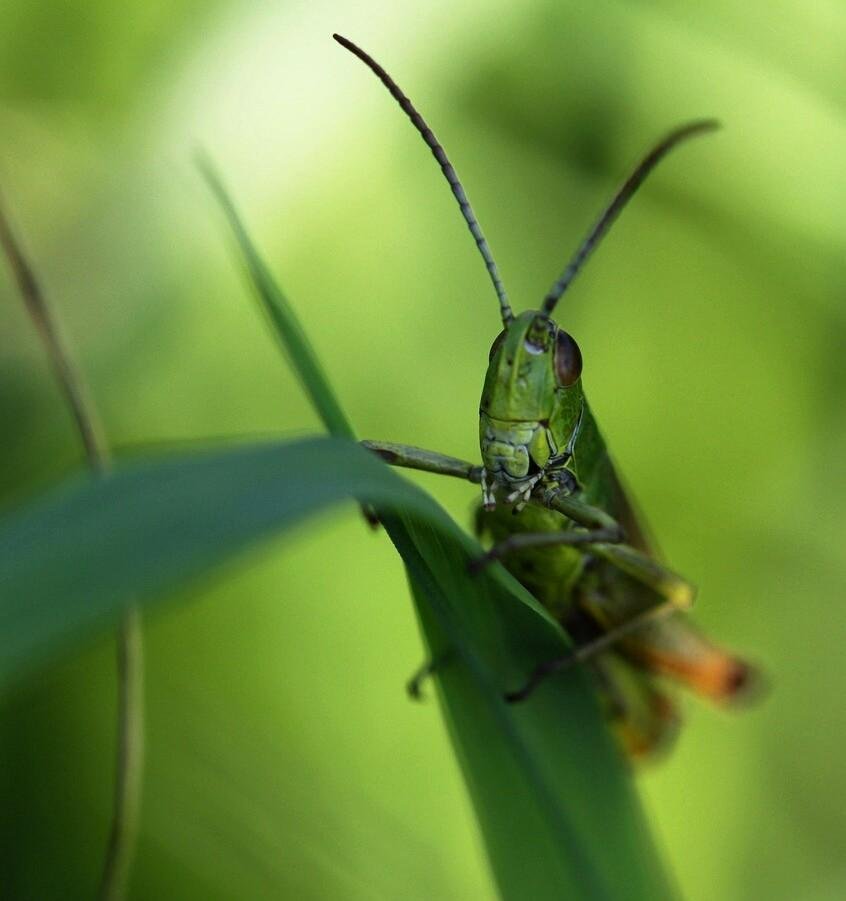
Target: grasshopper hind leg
x=634, y=622
x=642, y=714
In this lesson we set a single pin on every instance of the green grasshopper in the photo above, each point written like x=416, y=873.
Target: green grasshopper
x=553, y=507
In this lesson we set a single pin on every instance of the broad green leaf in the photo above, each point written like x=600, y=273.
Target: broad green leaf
x=543, y=778
x=556, y=808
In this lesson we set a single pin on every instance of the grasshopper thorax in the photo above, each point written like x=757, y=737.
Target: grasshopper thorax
x=531, y=404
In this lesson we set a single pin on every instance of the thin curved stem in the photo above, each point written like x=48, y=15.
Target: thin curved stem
x=130, y=671
x=129, y=770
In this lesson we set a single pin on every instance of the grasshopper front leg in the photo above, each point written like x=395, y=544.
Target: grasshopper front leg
x=410, y=457
x=600, y=527
x=597, y=523
x=602, y=535
x=597, y=527
x=629, y=560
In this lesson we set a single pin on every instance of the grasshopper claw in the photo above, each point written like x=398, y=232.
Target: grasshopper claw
x=476, y=565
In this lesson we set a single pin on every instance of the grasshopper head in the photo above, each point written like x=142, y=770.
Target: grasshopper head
x=532, y=397
x=530, y=361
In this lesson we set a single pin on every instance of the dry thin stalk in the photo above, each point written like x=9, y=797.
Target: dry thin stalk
x=130, y=700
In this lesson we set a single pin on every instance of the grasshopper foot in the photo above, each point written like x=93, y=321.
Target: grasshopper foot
x=414, y=686
x=371, y=517
x=516, y=697
x=474, y=567
x=540, y=674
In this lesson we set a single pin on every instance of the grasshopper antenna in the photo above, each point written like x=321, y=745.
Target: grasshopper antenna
x=622, y=197
x=446, y=167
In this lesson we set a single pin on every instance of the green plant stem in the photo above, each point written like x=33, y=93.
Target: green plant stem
x=130, y=670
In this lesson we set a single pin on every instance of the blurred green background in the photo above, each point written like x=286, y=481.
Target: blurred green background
x=284, y=760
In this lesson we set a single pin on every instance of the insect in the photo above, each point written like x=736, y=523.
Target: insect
x=553, y=509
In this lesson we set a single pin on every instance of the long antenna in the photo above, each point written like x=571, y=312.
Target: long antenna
x=446, y=167
x=622, y=197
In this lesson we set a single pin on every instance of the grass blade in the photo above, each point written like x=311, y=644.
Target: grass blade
x=555, y=805
x=501, y=750
x=287, y=328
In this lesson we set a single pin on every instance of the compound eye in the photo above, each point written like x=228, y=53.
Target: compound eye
x=568, y=359
x=496, y=345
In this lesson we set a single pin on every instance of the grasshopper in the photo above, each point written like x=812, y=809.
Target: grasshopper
x=553, y=509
